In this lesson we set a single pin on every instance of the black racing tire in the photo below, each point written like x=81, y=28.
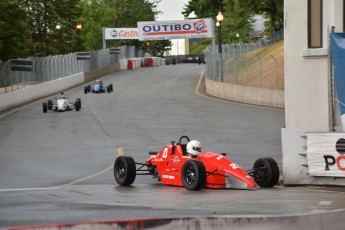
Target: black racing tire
x=50, y=104
x=124, y=170
x=86, y=89
x=193, y=175
x=45, y=107
x=108, y=88
x=77, y=105
x=111, y=87
x=78, y=99
x=266, y=172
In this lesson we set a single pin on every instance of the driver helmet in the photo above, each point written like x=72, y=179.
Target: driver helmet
x=194, y=147
x=98, y=81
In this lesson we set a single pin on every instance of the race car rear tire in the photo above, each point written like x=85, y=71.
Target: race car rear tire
x=78, y=99
x=45, y=107
x=108, y=89
x=77, y=105
x=111, y=87
x=50, y=104
x=86, y=89
x=193, y=175
x=266, y=172
x=124, y=170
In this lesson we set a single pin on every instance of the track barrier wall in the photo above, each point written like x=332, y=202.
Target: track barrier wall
x=316, y=221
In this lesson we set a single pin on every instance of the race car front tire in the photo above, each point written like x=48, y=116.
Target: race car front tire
x=45, y=107
x=124, y=170
x=266, y=172
x=193, y=175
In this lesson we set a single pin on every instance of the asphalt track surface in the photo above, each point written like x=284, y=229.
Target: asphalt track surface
x=58, y=167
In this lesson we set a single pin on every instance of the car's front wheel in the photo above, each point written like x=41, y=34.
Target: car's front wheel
x=193, y=175
x=45, y=107
x=124, y=170
x=266, y=172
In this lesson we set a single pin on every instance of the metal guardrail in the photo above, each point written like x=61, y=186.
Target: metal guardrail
x=60, y=66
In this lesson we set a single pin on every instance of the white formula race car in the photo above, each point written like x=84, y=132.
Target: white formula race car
x=62, y=104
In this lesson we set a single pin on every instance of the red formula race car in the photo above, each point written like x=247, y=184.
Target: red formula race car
x=172, y=165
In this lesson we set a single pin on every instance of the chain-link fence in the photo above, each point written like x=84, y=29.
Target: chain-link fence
x=60, y=66
x=247, y=64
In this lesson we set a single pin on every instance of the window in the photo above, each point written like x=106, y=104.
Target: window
x=314, y=23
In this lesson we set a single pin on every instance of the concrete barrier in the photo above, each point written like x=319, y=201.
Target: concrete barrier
x=246, y=94
x=316, y=221
x=35, y=92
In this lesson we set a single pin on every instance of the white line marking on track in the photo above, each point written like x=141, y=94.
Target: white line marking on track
x=63, y=185
x=325, y=202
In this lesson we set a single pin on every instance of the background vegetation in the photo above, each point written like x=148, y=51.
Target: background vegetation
x=48, y=27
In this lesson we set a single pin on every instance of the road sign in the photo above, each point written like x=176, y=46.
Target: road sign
x=21, y=65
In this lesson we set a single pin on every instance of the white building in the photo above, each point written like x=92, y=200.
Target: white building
x=308, y=89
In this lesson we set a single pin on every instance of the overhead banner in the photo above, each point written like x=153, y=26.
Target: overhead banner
x=120, y=33
x=177, y=29
x=326, y=154
x=338, y=58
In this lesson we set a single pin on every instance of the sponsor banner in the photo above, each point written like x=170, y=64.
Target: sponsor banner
x=338, y=58
x=326, y=154
x=120, y=33
x=178, y=29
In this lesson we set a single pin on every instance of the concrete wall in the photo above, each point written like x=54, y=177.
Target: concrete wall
x=246, y=94
x=93, y=74
x=315, y=221
x=307, y=87
x=35, y=92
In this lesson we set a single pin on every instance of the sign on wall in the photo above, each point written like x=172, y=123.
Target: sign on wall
x=326, y=154
x=120, y=33
x=338, y=58
x=21, y=65
x=178, y=29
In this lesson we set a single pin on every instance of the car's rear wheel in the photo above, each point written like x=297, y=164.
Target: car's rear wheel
x=193, y=175
x=86, y=89
x=111, y=87
x=45, y=107
x=78, y=99
x=124, y=170
x=77, y=105
x=108, y=88
x=266, y=172
x=50, y=104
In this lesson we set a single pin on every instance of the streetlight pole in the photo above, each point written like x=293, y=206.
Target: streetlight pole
x=78, y=27
x=220, y=19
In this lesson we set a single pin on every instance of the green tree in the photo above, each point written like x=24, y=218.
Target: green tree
x=273, y=10
x=204, y=8
x=237, y=20
x=99, y=14
x=14, y=34
x=196, y=48
x=52, y=24
x=157, y=48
